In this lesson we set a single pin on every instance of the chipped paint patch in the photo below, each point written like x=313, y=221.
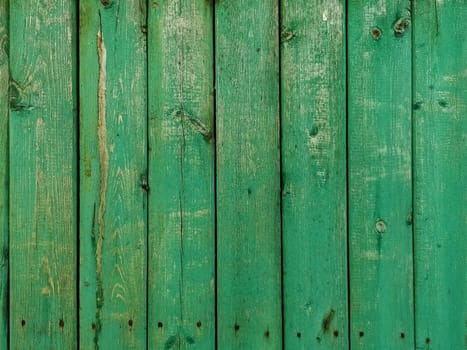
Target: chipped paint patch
x=325, y=15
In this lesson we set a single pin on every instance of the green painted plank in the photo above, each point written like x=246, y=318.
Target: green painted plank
x=248, y=175
x=181, y=175
x=4, y=78
x=314, y=170
x=380, y=179
x=113, y=167
x=440, y=190
x=43, y=212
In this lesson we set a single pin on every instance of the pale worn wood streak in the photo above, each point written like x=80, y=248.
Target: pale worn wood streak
x=181, y=175
x=248, y=175
x=380, y=193
x=4, y=78
x=43, y=244
x=440, y=141
x=314, y=174
x=113, y=180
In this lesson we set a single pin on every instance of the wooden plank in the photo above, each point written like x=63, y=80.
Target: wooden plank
x=248, y=175
x=181, y=175
x=440, y=141
x=380, y=179
x=4, y=78
x=314, y=170
x=113, y=180
x=43, y=213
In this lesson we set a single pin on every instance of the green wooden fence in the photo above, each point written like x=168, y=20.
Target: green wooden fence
x=233, y=174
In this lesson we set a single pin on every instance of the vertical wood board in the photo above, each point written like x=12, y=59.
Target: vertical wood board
x=380, y=177
x=43, y=237
x=181, y=176
x=248, y=175
x=113, y=175
x=313, y=127
x=440, y=165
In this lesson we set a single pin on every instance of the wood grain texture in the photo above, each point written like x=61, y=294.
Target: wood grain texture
x=181, y=176
x=380, y=179
x=314, y=205
x=440, y=141
x=4, y=172
x=248, y=175
x=113, y=174
x=43, y=239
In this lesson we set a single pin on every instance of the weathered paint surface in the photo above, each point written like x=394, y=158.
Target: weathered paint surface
x=314, y=201
x=43, y=200
x=181, y=175
x=202, y=118
x=113, y=175
x=440, y=172
x=380, y=177
x=248, y=175
x=4, y=78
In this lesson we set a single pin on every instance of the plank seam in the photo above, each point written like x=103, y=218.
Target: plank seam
x=214, y=128
x=7, y=173
x=148, y=331
x=347, y=220
x=412, y=165
x=281, y=180
x=78, y=178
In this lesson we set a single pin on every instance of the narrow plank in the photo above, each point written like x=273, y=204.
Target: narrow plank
x=113, y=180
x=380, y=179
x=43, y=213
x=181, y=175
x=248, y=175
x=440, y=141
x=4, y=78
x=314, y=219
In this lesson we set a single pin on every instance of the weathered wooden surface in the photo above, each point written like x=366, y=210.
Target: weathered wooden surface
x=380, y=178
x=181, y=176
x=314, y=204
x=4, y=78
x=440, y=166
x=248, y=175
x=113, y=175
x=251, y=174
x=43, y=201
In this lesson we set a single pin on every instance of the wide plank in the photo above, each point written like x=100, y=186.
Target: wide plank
x=314, y=201
x=43, y=175
x=248, y=175
x=113, y=174
x=380, y=174
x=181, y=305
x=440, y=172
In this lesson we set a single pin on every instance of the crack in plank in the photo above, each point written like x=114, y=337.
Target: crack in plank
x=104, y=169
